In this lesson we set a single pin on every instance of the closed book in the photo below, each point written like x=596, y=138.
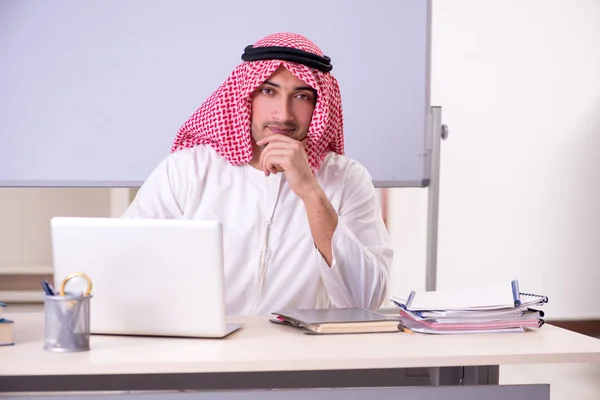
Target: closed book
x=337, y=320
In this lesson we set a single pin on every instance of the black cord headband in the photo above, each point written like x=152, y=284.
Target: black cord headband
x=287, y=54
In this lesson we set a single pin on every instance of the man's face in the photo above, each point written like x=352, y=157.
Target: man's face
x=284, y=105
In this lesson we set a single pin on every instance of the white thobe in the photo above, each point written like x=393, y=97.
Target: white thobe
x=270, y=260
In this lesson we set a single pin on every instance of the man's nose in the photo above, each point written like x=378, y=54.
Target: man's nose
x=283, y=110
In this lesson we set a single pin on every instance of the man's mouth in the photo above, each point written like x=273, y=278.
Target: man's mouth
x=281, y=131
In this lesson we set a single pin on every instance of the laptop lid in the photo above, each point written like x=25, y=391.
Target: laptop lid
x=150, y=276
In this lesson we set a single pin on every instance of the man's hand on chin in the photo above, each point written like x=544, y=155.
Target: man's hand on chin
x=284, y=154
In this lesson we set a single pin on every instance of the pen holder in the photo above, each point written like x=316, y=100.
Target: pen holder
x=67, y=323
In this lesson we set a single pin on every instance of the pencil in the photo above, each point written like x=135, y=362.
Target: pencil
x=404, y=328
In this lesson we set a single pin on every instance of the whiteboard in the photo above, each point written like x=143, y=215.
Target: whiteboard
x=92, y=93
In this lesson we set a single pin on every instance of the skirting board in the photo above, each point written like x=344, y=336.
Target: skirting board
x=23, y=287
x=22, y=296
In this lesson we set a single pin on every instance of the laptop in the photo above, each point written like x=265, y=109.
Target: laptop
x=155, y=277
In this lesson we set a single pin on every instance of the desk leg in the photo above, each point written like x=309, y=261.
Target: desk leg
x=481, y=375
x=474, y=375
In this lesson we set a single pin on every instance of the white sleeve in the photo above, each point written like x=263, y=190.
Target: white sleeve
x=362, y=251
x=157, y=197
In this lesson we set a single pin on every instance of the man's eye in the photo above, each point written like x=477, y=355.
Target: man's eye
x=266, y=91
x=303, y=96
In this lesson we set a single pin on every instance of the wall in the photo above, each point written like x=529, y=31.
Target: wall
x=25, y=245
x=519, y=86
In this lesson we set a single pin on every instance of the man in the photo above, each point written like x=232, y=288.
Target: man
x=264, y=156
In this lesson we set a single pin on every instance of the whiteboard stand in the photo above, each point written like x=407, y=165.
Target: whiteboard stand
x=437, y=132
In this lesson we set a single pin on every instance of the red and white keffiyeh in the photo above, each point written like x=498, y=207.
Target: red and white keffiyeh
x=223, y=121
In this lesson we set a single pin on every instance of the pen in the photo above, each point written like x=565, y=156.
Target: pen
x=516, y=294
x=47, y=288
x=51, y=288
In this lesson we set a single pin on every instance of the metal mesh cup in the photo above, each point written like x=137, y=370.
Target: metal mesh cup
x=67, y=323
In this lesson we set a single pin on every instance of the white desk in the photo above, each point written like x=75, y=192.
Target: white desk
x=265, y=355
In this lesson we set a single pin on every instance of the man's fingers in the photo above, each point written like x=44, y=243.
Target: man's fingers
x=273, y=138
x=276, y=146
x=278, y=155
x=274, y=164
x=279, y=144
x=277, y=138
x=278, y=152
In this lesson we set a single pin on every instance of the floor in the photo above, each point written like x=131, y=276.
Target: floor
x=567, y=381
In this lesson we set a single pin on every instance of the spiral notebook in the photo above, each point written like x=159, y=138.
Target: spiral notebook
x=491, y=297
x=492, y=309
x=530, y=299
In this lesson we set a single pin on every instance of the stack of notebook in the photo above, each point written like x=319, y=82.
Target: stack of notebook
x=5, y=328
x=492, y=309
